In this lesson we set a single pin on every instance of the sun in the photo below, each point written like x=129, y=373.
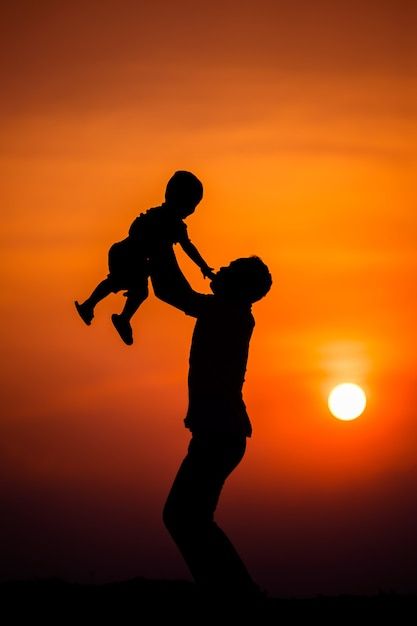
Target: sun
x=347, y=401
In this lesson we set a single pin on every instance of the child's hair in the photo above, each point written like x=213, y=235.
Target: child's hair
x=184, y=189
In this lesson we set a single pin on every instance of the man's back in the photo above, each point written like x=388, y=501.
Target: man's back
x=218, y=358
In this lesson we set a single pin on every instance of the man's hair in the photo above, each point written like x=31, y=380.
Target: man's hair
x=184, y=187
x=251, y=278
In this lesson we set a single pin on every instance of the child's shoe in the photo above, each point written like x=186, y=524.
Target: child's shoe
x=85, y=312
x=123, y=327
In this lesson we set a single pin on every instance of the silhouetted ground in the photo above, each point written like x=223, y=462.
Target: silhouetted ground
x=142, y=601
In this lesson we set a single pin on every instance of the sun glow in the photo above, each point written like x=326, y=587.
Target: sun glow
x=347, y=401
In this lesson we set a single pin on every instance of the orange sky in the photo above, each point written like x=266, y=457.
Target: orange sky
x=300, y=120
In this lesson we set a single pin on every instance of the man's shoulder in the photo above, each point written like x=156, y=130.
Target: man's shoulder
x=200, y=303
x=231, y=312
x=235, y=308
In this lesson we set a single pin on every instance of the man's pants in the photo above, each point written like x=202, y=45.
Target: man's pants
x=189, y=510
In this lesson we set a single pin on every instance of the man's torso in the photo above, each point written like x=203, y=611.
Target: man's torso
x=218, y=359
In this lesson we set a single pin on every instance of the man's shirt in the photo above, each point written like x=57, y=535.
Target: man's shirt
x=218, y=358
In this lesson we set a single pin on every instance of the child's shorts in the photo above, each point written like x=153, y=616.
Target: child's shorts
x=128, y=269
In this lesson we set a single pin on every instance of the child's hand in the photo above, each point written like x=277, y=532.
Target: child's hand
x=207, y=272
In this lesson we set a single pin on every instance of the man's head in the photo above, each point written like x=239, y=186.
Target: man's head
x=246, y=280
x=183, y=192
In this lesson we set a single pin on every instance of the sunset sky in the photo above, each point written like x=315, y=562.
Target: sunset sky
x=300, y=119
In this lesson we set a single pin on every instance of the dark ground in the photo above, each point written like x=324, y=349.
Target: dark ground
x=142, y=601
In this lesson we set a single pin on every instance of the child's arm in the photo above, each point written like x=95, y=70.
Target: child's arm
x=190, y=249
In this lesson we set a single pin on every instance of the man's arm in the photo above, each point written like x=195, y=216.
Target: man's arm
x=171, y=286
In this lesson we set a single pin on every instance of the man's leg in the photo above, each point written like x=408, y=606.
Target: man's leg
x=189, y=510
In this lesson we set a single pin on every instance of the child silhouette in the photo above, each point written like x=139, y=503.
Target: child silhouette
x=129, y=260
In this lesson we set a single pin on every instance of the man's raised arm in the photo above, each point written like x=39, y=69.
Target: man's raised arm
x=170, y=285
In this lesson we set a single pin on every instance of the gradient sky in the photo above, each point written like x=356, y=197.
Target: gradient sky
x=300, y=119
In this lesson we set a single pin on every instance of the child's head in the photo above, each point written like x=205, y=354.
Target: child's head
x=184, y=191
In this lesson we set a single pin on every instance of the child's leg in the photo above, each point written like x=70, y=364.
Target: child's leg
x=103, y=289
x=134, y=299
x=86, y=308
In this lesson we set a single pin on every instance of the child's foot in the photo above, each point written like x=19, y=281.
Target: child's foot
x=85, y=312
x=123, y=327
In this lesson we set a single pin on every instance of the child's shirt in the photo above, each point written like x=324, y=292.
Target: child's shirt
x=155, y=226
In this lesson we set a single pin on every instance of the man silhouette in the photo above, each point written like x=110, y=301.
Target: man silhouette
x=216, y=415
